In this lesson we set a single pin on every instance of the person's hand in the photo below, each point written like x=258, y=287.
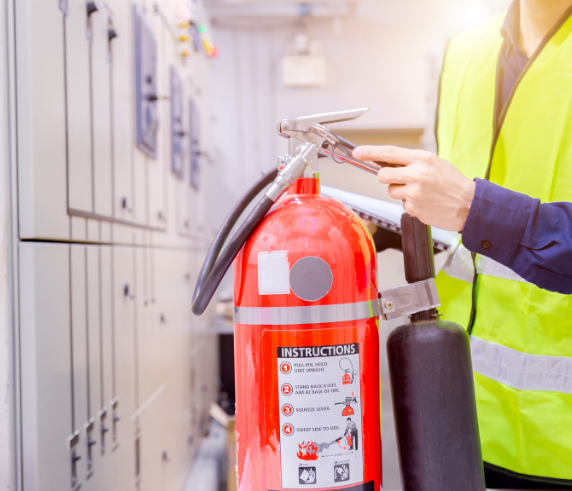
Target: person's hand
x=431, y=188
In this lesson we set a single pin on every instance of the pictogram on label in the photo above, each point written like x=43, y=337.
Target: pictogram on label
x=320, y=416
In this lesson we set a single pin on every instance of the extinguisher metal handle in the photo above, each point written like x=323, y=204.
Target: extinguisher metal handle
x=292, y=127
x=409, y=299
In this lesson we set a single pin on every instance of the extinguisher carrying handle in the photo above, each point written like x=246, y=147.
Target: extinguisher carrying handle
x=418, y=255
x=215, y=266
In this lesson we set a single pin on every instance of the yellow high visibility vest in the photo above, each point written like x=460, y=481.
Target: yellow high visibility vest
x=522, y=336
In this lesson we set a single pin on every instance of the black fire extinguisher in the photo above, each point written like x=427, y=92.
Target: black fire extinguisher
x=432, y=387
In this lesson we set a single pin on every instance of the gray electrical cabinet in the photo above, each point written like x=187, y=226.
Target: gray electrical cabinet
x=116, y=375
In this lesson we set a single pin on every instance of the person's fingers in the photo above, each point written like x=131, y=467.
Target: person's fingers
x=387, y=153
x=396, y=191
x=393, y=175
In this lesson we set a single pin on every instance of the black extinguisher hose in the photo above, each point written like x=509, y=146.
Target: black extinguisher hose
x=215, y=267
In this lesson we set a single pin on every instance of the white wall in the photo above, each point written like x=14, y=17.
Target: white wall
x=383, y=55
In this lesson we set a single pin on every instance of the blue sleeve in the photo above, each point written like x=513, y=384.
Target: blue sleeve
x=533, y=239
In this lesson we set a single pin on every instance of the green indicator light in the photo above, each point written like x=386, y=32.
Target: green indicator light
x=202, y=29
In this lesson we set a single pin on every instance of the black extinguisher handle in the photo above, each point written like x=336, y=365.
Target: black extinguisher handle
x=418, y=256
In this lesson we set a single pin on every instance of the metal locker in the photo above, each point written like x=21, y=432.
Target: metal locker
x=155, y=456
x=171, y=304
x=152, y=353
x=42, y=202
x=157, y=168
x=80, y=356
x=179, y=428
x=105, y=476
x=101, y=35
x=46, y=362
x=122, y=111
x=122, y=436
x=78, y=104
x=152, y=356
x=92, y=428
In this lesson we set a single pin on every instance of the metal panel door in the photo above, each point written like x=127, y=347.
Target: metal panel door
x=47, y=406
x=95, y=368
x=41, y=120
x=122, y=112
x=101, y=95
x=80, y=327
x=80, y=163
x=122, y=407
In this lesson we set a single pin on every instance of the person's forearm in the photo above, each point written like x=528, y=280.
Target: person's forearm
x=532, y=239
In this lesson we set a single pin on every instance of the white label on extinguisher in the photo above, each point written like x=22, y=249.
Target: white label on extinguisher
x=273, y=271
x=320, y=416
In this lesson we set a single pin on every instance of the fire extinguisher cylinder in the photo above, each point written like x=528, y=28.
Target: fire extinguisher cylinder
x=434, y=407
x=432, y=388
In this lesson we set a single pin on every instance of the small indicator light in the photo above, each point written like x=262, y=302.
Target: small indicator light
x=202, y=29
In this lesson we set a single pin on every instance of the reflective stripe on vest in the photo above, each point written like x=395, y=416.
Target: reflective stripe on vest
x=520, y=370
x=460, y=266
x=523, y=333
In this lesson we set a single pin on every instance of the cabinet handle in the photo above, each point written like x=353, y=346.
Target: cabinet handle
x=125, y=205
x=127, y=291
x=92, y=8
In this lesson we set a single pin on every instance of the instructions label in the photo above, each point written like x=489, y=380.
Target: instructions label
x=320, y=416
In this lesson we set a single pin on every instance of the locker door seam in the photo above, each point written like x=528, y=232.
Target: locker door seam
x=87, y=333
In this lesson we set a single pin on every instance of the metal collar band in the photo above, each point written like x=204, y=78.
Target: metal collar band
x=396, y=302
x=314, y=314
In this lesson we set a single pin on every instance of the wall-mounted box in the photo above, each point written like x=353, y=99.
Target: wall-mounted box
x=177, y=125
x=194, y=138
x=146, y=97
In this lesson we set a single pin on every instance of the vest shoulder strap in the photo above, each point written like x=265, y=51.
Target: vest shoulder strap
x=462, y=46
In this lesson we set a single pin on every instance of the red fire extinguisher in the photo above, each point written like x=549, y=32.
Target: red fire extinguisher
x=309, y=260
x=306, y=325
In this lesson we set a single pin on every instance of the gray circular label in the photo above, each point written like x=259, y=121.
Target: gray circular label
x=311, y=278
